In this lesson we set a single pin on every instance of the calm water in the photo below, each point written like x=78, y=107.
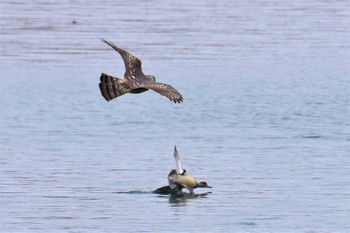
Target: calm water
x=265, y=119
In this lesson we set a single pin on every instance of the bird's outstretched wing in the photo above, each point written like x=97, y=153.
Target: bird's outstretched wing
x=180, y=170
x=133, y=70
x=164, y=89
x=112, y=87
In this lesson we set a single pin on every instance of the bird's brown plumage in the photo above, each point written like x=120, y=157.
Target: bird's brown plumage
x=135, y=81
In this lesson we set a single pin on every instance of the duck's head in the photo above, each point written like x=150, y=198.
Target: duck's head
x=203, y=184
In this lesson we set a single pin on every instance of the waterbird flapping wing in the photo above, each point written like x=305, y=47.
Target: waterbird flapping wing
x=179, y=178
x=180, y=170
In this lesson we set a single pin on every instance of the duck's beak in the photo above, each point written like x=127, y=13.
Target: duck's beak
x=205, y=185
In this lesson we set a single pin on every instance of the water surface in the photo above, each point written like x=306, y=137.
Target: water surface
x=265, y=119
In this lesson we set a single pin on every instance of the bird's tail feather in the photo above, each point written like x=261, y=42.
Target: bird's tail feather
x=110, y=87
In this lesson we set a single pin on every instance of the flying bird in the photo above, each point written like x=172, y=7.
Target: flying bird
x=179, y=179
x=135, y=81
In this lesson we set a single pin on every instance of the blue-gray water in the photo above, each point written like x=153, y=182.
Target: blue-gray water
x=265, y=119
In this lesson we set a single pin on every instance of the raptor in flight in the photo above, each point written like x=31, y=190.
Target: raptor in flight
x=135, y=81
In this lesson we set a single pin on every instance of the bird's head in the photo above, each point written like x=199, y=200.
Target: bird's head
x=151, y=77
x=203, y=184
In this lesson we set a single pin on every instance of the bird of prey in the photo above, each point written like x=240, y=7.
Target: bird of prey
x=179, y=179
x=135, y=81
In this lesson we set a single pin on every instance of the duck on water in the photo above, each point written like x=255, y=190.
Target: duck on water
x=179, y=179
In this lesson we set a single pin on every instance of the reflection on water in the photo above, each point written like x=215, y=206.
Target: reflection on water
x=264, y=120
x=182, y=201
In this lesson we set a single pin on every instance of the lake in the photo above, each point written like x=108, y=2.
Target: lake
x=265, y=117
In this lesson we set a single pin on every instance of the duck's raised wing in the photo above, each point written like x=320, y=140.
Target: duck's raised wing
x=180, y=170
